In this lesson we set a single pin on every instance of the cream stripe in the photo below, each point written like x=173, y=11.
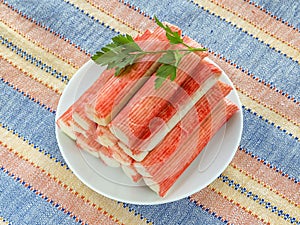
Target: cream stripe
x=262, y=192
x=270, y=115
x=2, y=222
x=246, y=203
x=230, y=17
x=103, y=17
x=31, y=70
x=35, y=51
x=66, y=177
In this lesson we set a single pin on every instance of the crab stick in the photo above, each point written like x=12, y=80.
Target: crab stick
x=125, y=161
x=182, y=131
x=66, y=121
x=105, y=137
x=113, y=96
x=164, y=178
x=66, y=124
x=132, y=124
x=144, y=122
x=132, y=173
x=91, y=146
x=74, y=119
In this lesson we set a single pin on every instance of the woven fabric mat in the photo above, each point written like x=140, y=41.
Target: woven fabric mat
x=43, y=43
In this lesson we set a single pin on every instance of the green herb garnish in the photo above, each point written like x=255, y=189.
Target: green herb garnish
x=124, y=51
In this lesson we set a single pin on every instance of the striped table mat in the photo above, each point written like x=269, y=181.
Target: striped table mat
x=43, y=43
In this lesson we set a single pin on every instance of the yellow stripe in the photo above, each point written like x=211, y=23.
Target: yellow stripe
x=272, y=116
x=246, y=203
x=103, y=17
x=251, y=29
x=66, y=177
x=262, y=191
x=31, y=70
x=217, y=2
x=35, y=51
x=39, y=44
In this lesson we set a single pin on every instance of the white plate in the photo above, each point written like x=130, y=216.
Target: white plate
x=112, y=183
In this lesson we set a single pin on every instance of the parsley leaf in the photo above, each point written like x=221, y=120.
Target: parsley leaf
x=170, y=62
x=173, y=36
x=119, y=54
x=124, y=51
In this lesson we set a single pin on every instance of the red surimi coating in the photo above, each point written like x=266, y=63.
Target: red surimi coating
x=161, y=131
x=183, y=130
x=134, y=125
x=163, y=180
x=111, y=97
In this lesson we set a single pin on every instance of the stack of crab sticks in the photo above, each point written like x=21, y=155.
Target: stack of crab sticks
x=152, y=134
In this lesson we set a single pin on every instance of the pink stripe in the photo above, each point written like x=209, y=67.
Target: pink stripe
x=38, y=35
x=278, y=183
x=270, y=25
x=29, y=86
x=123, y=13
x=48, y=187
x=223, y=207
x=262, y=93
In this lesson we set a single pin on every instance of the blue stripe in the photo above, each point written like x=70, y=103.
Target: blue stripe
x=180, y=212
x=34, y=60
x=252, y=196
x=20, y=205
x=271, y=144
x=30, y=120
x=68, y=21
x=27, y=95
x=288, y=10
x=228, y=40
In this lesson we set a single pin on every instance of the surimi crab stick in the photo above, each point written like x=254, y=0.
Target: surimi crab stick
x=170, y=172
x=66, y=121
x=131, y=172
x=105, y=137
x=112, y=97
x=151, y=134
x=137, y=129
x=126, y=163
x=66, y=124
x=79, y=114
x=111, y=156
x=91, y=146
x=182, y=131
x=131, y=126
x=74, y=121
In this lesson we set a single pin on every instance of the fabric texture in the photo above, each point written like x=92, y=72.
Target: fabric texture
x=43, y=43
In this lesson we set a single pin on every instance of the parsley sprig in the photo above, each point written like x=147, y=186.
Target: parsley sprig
x=124, y=52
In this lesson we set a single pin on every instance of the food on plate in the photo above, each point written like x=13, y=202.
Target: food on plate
x=164, y=106
x=180, y=134
x=90, y=145
x=164, y=178
x=67, y=122
x=153, y=110
x=119, y=91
